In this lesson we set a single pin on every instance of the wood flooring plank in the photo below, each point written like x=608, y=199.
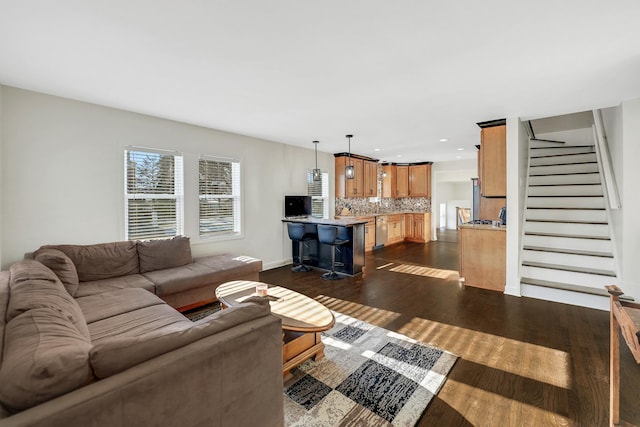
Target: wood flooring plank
x=523, y=362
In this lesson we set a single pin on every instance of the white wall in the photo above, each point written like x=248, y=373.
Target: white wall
x=443, y=173
x=1, y=144
x=629, y=198
x=62, y=176
x=517, y=163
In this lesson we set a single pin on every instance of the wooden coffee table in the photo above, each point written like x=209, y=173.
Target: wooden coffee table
x=303, y=319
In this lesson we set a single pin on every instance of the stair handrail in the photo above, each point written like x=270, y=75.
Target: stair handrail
x=602, y=151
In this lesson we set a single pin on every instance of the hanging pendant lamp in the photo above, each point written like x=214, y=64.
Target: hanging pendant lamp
x=317, y=173
x=349, y=171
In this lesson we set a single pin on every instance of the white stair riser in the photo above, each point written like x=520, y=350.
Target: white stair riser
x=579, y=178
x=552, y=151
x=566, y=190
x=564, y=169
x=566, y=297
x=592, y=230
x=563, y=160
x=566, y=202
x=567, y=215
x=544, y=144
x=569, y=260
x=569, y=277
x=567, y=243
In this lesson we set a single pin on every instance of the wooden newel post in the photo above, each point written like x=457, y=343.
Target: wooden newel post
x=614, y=358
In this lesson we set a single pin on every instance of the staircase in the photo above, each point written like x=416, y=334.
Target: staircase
x=567, y=242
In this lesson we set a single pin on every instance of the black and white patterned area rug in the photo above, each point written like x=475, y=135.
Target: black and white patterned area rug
x=369, y=377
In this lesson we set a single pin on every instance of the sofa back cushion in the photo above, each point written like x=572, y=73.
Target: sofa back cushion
x=4, y=302
x=61, y=265
x=102, y=260
x=44, y=357
x=33, y=285
x=164, y=253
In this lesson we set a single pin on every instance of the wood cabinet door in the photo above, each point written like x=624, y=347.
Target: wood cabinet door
x=418, y=227
x=418, y=180
x=494, y=161
x=402, y=181
x=408, y=226
x=369, y=234
x=355, y=186
x=370, y=179
x=389, y=181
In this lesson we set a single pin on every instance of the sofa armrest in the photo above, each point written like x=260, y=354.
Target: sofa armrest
x=232, y=378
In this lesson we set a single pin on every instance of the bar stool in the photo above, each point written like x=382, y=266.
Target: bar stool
x=328, y=235
x=297, y=234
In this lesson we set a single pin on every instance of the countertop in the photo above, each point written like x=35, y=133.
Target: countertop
x=369, y=215
x=484, y=227
x=340, y=222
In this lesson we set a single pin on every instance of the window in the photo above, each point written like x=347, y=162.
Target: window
x=153, y=193
x=319, y=192
x=219, y=194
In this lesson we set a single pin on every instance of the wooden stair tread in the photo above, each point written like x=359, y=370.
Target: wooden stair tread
x=568, y=251
x=568, y=287
x=567, y=268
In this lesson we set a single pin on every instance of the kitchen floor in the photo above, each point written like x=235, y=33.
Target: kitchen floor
x=522, y=361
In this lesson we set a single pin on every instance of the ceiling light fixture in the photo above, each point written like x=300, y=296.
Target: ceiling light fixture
x=349, y=171
x=376, y=149
x=444, y=140
x=317, y=173
x=460, y=149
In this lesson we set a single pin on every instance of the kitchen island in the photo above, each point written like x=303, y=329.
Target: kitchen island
x=482, y=256
x=351, y=254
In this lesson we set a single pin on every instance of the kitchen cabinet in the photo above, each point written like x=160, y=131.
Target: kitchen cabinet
x=492, y=161
x=389, y=181
x=370, y=188
x=402, y=181
x=395, y=229
x=417, y=227
x=420, y=180
x=349, y=187
x=369, y=233
x=482, y=256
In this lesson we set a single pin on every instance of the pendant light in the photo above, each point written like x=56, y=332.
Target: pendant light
x=349, y=171
x=317, y=173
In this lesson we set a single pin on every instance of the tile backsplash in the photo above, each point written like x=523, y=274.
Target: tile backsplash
x=364, y=205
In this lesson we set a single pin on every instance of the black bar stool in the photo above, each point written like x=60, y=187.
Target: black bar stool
x=328, y=235
x=298, y=234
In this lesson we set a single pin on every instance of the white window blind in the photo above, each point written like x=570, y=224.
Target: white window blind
x=153, y=193
x=319, y=192
x=219, y=194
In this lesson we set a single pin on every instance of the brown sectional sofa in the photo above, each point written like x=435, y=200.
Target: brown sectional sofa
x=83, y=347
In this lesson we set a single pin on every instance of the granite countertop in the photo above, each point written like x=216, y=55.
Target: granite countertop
x=341, y=222
x=484, y=227
x=365, y=215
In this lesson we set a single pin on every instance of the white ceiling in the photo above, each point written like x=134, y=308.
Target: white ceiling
x=400, y=75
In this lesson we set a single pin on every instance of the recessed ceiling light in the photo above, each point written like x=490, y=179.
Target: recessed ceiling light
x=399, y=155
x=458, y=157
x=460, y=149
x=376, y=149
x=444, y=140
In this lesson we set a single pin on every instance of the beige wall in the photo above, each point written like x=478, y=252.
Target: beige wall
x=62, y=168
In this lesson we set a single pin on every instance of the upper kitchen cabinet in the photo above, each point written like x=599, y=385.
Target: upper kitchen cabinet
x=370, y=178
x=420, y=180
x=389, y=181
x=402, y=181
x=492, y=159
x=365, y=181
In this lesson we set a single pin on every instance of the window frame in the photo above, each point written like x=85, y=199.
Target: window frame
x=236, y=197
x=177, y=195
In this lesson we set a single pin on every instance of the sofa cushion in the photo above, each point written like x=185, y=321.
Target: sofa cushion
x=116, y=354
x=160, y=318
x=4, y=302
x=44, y=356
x=112, y=303
x=61, y=265
x=159, y=254
x=123, y=282
x=202, y=272
x=102, y=260
x=33, y=285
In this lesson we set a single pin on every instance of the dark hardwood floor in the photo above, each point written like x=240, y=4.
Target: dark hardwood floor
x=523, y=362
